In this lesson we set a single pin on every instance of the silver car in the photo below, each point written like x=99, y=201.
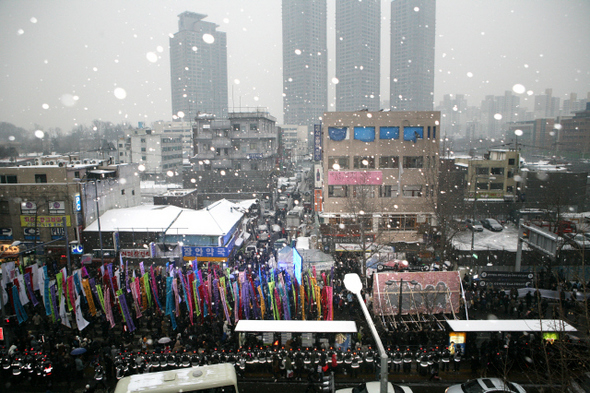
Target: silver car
x=484, y=385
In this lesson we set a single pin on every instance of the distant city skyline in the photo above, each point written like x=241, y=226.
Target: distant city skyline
x=65, y=63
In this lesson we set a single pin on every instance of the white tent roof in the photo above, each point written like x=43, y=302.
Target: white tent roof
x=511, y=325
x=215, y=220
x=257, y=326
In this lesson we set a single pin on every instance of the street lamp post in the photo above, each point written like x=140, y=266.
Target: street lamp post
x=14, y=244
x=353, y=283
x=98, y=221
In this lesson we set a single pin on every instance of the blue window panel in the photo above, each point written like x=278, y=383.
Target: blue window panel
x=388, y=132
x=365, y=134
x=337, y=133
x=434, y=132
x=412, y=133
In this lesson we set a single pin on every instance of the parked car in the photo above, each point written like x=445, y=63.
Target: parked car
x=492, y=225
x=485, y=385
x=375, y=387
x=474, y=225
x=395, y=264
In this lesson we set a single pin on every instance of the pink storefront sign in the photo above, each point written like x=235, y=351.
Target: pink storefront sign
x=337, y=178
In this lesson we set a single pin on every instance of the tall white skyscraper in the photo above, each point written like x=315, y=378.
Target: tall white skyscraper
x=358, y=41
x=198, y=68
x=412, y=54
x=305, y=61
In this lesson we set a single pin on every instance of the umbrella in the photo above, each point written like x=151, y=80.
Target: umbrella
x=164, y=340
x=78, y=351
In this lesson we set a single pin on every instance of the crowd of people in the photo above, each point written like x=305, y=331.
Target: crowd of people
x=179, y=310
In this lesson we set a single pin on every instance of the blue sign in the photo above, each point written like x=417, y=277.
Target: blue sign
x=317, y=142
x=254, y=156
x=78, y=202
x=77, y=249
x=297, y=262
x=206, y=252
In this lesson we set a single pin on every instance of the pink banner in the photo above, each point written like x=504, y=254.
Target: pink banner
x=421, y=292
x=336, y=178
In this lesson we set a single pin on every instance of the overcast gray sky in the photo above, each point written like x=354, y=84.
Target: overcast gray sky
x=61, y=61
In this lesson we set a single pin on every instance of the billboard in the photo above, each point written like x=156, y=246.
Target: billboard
x=355, y=177
x=421, y=292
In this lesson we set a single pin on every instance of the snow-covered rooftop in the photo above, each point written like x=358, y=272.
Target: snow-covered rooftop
x=215, y=220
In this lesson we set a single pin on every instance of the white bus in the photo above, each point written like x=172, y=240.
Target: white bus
x=215, y=378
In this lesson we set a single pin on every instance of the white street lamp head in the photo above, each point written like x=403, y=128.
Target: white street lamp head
x=353, y=283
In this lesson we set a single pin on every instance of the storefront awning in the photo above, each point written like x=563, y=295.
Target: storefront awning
x=512, y=325
x=255, y=326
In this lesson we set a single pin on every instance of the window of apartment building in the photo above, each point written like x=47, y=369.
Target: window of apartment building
x=388, y=132
x=388, y=161
x=253, y=127
x=338, y=191
x=237, y=166
x=360, y=162
x=364, y=134
x=363, y=191
x=122, y=192
x=510, y=189
x=254, y=166
x=8, y=179
x=398, y=222
x=132, y=192
x=413, y=162
x=511, y=161
x=142, y=140
x=235, y=145
x=253, y=145
x=120, y=154
x=236, y=127
x=412, y=190
x=388, y=191
x=413, y=133
x=41, y=178
x=482, y=185
x=482, y=170
x=497, y=171
x=4, y=207
x=143, y=150
x=338, y=163
x=144, y=158
x=496, y=186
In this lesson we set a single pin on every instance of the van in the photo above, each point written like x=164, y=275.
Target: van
x=251, y=249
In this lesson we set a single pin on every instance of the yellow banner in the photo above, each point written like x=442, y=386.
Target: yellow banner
x=44, y=221
x=205, y=259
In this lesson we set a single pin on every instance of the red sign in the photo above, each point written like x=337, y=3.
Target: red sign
x=1, y=334
x=317, y=200
x=421, y=292
x=136, y=253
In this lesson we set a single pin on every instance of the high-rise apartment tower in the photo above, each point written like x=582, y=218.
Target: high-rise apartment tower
x=412, y=55
x=198, y=68
x=305, y=61
x=358, y=41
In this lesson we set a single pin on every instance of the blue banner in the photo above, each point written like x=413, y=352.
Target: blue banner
x=317, y=142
